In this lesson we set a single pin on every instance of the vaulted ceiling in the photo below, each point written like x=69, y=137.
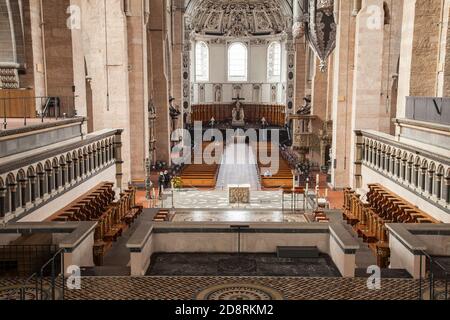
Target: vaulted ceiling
x=239, y=18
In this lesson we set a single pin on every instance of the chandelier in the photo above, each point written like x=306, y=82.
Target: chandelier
x=317, y=22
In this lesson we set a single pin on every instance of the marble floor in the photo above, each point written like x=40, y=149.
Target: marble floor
x=238, y=216
x=214, y=199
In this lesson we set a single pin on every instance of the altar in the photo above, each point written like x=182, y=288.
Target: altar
x=239, y=194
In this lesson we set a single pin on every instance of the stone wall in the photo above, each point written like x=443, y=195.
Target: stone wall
x=425, y=48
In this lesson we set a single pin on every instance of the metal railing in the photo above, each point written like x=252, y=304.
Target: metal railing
x=48, y=283
x=433, y=281
x=26, y=108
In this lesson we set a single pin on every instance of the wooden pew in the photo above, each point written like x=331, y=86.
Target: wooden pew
x=369, y=218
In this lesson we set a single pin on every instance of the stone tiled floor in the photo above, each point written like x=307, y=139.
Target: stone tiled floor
x=238, y=216
x=187, y=288
x=219, y=200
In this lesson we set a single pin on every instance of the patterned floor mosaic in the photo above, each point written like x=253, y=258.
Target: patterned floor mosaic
x=238, y=216
x=192, y=288
x=219, y=200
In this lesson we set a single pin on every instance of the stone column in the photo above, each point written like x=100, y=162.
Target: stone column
x=177, y=55
x=2, y=202
x=12, y=192
x=63, y=175
x=431, y=185
x=160, y=92
x=23, y=193
x=447, y=189
x=300, y=72
x=367, y=83
x=319, y=108
x=138, y=78
x=342, y=96
x=404, y=164
x=439, y=186
x=57, y=177
x=41, y=181
x=76, y=168
x=32, y=182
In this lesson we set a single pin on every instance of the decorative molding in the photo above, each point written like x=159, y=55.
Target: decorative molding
x=238, y=18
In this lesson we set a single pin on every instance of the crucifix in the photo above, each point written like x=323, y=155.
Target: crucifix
x=238, y=100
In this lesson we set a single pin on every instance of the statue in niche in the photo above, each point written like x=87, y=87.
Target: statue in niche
x=174, y=112
x=151, y=107
x=306, y=107
x=218, y=93
x=274, y=94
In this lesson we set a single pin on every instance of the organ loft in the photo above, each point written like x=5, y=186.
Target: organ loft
x=150, y=144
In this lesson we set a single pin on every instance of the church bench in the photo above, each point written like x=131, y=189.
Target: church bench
x=382, y=207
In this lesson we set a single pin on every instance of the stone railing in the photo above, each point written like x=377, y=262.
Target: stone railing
x=28, y=183
x=423, y=172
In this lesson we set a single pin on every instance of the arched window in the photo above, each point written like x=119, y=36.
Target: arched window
x=201, y=61
x=274, y=62
x=237, y=62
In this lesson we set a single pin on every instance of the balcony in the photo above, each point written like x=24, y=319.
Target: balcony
x=420, y=174
x=31, y=179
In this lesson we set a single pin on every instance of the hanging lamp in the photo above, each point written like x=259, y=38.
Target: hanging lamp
x=316, y=20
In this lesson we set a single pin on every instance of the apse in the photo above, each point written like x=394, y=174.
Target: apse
x=239, y=49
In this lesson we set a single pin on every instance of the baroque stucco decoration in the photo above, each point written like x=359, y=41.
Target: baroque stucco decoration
x=317, y=22
x=239, y=18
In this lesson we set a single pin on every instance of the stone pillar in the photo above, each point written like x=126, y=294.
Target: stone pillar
x=105, y=43
x=63, y=175
x=367, y=83
x=431, y=182
x=447, y=189
x=138, y=78
x=438, y=186
x=41, y=184
x=2, y=202
x=58, y=52
x=177, y=55
x=404, y=164
x=160, y=91
x=300, y=72
x=23, y=193
x=12, y=192
x=69, y=172
x=342, y=96
x=32, y=182
x=319, y=109
x=76, y=168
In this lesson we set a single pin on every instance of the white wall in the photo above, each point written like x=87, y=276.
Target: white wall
x=257, y=73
